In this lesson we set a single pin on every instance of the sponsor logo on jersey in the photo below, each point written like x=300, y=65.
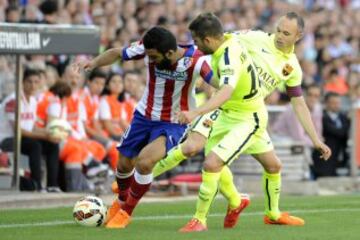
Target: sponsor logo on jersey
x=227, y=72
x=265, y=51
x=265, y=77
x=171, y=75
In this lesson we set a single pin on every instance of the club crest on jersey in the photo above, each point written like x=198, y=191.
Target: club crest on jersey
x=287, y=70
x=187, y=62
x=207, y=123
x=136, y=44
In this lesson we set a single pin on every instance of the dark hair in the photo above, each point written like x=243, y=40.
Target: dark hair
x=106, y=91
x=312, y=86
x=299, y=20
x=48, y=7
x=330, y=95
x=28, y=72
x=206, y=24
x=162, y=20
x=97, y=74
x=61, y=89
x=160, y=39
x=333, y=71
x=10, y=8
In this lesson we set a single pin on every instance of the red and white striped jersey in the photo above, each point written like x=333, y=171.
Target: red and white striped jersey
x=7, y=115
x=169, y=91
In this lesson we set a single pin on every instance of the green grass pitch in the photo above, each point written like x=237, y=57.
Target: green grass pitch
x=327, y=217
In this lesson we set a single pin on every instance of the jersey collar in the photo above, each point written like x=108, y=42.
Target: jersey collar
x=189, y=50
x=287, y=55
x=220, y=50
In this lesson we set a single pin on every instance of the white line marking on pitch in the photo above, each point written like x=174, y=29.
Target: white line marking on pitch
x=166, y=217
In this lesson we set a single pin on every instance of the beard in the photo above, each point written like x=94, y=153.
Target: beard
x=164, y=64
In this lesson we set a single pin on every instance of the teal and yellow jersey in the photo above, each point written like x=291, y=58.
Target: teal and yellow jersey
x=232, y=65
x=275, y=68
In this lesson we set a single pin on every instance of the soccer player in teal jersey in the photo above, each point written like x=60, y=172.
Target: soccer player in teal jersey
x=276, y=64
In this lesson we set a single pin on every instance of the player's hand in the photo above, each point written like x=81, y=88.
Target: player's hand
x=186, y=117
x=87, y=66
x=324, y=150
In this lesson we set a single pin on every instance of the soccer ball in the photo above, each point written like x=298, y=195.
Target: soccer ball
x=59, y=128
x=90, y=211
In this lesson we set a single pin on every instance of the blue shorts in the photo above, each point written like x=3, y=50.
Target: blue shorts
x=143, y=131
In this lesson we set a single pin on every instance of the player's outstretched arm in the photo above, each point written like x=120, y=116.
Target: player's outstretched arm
x=106, y=58
x=207, y=88
x=303, y=114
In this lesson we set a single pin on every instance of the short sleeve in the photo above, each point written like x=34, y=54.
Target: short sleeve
x=135, y=51
x=295, y=77
x=10, y=108
x=104, y=113
x=229, y=67
x=293, y=84
x=203, y=69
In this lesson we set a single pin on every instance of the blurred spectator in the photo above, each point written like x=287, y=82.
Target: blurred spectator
x=49, y=9
x=132, y=82
x=287, y=124
x=93, y=128
x=356, y=100
x=338, y=46
x=32, y=14
x=91, y=98
x=34, y=141
x=79, y=153
x=336, y=126
x=115, y=111
x=310, y=73
x=336, y=83
x=12, y=14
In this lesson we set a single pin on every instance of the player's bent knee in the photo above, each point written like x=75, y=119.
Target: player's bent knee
x=274, y=167
x=190, y=149
x=193, y=145
x=213, y=164
x=144, y=167
x=125, y=165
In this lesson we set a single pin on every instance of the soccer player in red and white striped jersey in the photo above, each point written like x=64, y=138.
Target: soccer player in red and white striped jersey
x=170, y=88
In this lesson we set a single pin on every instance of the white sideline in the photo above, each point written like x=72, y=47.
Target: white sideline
x=166, y=217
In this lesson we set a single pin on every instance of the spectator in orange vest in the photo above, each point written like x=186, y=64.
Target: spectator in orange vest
x=115, y=111
x=336, y=83
x=93, y=128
